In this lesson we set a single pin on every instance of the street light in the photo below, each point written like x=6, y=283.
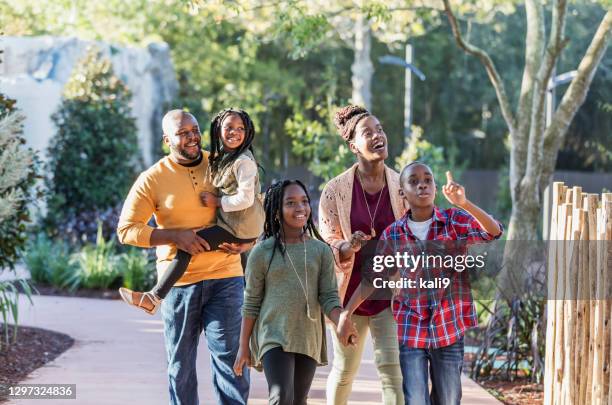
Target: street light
x=550, y=109
x=410, y=68
x=550, y=92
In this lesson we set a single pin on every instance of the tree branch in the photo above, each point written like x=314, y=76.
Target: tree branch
x=486, y=60
x=553, y=50
x=534, y=49
x=575, y=95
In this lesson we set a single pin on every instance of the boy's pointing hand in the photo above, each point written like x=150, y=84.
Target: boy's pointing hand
x=454, y=192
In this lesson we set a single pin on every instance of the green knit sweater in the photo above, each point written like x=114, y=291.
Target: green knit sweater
x=276, y=299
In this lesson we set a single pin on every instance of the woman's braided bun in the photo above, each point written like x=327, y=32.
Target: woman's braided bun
x=346, y=120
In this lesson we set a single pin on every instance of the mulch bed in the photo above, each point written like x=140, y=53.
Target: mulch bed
x=518, y=392
x=521, y=391
x=34, y=348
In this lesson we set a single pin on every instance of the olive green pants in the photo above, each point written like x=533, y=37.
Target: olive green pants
x=347, y=360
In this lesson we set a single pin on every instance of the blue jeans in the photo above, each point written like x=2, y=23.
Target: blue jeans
x=443, y=364
x=213, y=306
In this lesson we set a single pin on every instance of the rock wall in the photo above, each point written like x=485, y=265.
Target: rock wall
x=34, y=71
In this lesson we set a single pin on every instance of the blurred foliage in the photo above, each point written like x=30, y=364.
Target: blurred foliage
x=137, y=269
x=317, y=141
x=314, y=136
x=9, y=308
x=93, y=158
x=98, y=265
x=50, y=263
x=272, y=58
x=18, y=175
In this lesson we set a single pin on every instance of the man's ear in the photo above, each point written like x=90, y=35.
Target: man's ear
x=166, y=139
x=401, y=193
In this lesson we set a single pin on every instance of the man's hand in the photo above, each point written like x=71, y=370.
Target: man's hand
x=189, y=241
x=243, y=358
x=454, y=192
x=210, y=200
x=235, y=248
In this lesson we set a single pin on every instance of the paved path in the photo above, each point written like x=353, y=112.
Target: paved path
x=118, y=358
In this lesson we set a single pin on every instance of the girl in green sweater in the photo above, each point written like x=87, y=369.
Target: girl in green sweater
x=290, y=283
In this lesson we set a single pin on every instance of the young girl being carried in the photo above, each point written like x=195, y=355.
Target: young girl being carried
x=233, y=172
x=290, y=284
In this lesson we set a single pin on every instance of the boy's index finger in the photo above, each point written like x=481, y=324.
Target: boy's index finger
x=449, y=177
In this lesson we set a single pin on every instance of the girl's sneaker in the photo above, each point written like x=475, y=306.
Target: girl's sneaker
x=147, y=301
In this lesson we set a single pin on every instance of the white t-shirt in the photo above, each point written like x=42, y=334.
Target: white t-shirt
x=419, y=229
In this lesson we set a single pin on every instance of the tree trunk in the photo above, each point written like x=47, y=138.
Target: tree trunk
x=525, y=216
x=362, y=67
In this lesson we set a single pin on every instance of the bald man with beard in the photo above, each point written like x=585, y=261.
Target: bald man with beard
x=209, y=295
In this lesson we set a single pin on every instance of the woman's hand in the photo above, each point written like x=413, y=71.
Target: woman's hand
x=354, y=244
x=210, y=200
x=243, y=358
x=346, y=331
x=454, y=192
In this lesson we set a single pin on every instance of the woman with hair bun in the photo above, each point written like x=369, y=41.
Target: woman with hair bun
x=356, y=207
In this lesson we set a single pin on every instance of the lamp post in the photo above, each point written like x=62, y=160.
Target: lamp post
x=410, y=69
x=550, y=109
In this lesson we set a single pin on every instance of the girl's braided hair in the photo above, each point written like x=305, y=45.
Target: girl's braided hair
x=219, y=159
x=273, y=206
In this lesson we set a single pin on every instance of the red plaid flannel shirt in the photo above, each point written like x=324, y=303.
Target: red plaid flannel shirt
x=438, y=317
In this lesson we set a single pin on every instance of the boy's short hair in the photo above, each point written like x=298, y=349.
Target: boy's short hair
x=405, y=169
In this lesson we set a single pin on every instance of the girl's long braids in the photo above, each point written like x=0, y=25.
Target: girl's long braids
x=218, y=158
x=273, y=206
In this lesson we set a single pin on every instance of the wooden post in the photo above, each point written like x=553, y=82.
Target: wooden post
x=597, y=382
x=564, y=313
x=582, y=335
x=579, y=308
x=591, y=220
x=606, y=301
x=551, y=307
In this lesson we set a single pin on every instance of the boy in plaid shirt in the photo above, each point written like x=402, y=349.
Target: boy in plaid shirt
x=432, y=319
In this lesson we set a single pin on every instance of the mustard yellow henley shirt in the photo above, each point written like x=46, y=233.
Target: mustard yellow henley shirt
x=170, y=192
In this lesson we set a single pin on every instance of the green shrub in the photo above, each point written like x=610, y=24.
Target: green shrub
x=137, y=269
x=18, y=166
x=94, y=156
x=9, y=298
x=61, y=269
x=50, y=262
x=318, y=143
x=37, y=256
x=97, y=264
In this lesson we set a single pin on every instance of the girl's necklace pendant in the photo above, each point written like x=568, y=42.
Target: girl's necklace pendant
x=373, y=232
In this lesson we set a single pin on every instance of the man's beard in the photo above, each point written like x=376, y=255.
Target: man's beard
x=187, y=155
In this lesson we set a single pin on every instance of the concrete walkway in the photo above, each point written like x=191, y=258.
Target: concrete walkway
x=119, y=358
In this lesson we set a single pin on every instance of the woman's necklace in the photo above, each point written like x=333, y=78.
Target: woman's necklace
x=372, y=216
x=304, y=289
